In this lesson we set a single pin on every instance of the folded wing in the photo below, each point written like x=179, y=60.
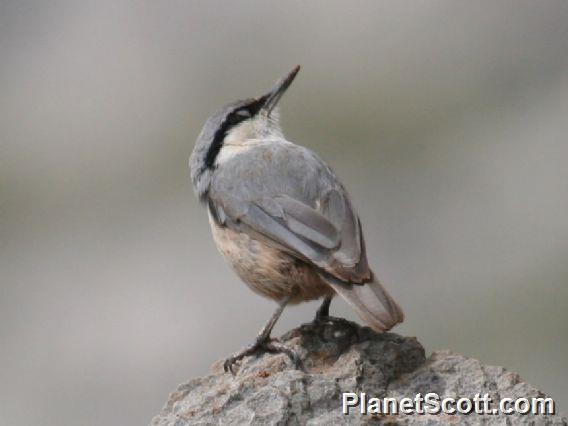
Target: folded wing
x=323, y=231
x=329, y=238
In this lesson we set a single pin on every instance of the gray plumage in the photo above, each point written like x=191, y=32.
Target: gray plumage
x=279, y=214
x=287, y=194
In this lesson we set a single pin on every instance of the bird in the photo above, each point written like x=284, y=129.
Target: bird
x=282, y=219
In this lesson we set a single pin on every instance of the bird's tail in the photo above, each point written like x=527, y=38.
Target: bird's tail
x=370, y=301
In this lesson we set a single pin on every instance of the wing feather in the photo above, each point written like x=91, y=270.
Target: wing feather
x=292, y=200
x=308, y=222
x=303, y=231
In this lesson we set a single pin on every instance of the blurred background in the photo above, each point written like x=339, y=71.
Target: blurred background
x=447, y=121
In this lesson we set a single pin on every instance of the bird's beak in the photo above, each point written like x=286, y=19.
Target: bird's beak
x=272, y=97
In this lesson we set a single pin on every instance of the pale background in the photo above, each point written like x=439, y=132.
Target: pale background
x=447, y=121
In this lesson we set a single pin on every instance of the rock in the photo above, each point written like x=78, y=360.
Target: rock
x=341, y=357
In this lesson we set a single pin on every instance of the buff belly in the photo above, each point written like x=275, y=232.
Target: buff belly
x=266, y=270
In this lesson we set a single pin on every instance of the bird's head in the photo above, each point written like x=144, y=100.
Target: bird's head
x=235, y=123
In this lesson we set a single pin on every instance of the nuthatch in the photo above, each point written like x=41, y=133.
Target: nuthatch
x=282, y=219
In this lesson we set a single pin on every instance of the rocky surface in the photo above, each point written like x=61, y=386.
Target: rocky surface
x=340, y=357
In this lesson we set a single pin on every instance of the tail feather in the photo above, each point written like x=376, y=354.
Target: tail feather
x=370, y=301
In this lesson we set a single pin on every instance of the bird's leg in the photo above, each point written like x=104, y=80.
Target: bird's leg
x=322, y=314
x=263, y=342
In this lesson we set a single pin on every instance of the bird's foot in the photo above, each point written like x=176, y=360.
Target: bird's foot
x=327, y=319
x=322, y=314
x=259, y=346
x=323, y=317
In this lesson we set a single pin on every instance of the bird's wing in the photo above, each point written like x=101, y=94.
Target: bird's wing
x=328, y=236
x=287, y=197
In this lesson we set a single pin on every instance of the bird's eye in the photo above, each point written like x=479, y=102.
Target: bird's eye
x=237, y=117
x=244, y=113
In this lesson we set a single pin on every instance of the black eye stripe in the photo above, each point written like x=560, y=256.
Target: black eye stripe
x=235, y=117
x=245, y=113
x=231, y=121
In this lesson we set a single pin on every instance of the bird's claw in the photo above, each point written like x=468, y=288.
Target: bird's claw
x=228, y=364
x=258, y=347
x=277, y=347
x=327, y=319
